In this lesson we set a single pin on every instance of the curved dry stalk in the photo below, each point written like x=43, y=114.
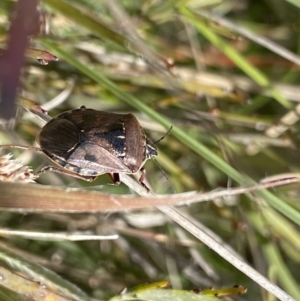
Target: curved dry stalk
x=38, y=198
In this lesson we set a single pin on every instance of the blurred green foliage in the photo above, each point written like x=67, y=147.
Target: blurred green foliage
x=231, y=102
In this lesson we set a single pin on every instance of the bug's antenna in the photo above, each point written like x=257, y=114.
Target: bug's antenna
x=163, y=172
x=167, y=133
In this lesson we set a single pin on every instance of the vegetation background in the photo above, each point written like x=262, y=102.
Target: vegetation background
x=225, y=74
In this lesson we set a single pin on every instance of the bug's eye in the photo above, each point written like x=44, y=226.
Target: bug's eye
x=151, y=150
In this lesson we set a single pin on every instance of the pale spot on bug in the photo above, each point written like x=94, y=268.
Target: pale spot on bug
x=86, y=172
x=59, y=161
x=69, y=167
x=131, y=160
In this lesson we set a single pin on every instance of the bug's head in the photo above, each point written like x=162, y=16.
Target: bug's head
x=151, y=150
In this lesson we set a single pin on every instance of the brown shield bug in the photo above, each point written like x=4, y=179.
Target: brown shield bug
x=88, y=143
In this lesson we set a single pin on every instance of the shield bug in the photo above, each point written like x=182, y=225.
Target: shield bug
x=86, y=143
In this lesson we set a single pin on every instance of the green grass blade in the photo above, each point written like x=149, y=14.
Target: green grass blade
x=237, y=58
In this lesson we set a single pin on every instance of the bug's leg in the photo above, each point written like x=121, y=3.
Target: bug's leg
x=115, y=178
x=142, y=178
x=64, y=172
